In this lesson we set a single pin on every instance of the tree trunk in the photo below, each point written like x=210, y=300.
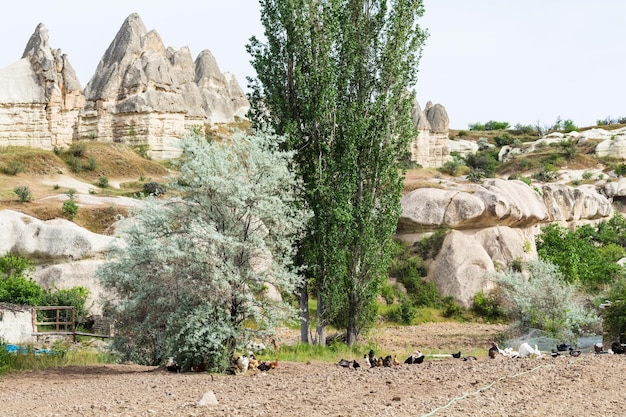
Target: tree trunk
x=321, y=327
x=351, y=330
x=305, y=323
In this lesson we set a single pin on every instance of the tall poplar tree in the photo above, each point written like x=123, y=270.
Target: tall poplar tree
x=334, y=76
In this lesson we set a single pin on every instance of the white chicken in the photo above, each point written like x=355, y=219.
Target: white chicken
x=242, y=364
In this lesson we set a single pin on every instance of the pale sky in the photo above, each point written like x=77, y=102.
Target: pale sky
x=517, y=61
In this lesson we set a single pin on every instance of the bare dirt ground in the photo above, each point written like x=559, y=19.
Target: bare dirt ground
x=588, y=385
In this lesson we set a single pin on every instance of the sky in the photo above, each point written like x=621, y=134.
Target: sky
x=528, y=62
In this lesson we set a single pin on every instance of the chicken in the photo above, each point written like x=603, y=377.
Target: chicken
x=253, y=361
x=387, y=361
x=344, y=363
x=171, y=365
x=525, y=350
x=253, y=364
x=367, y=361
x=379, y=362
x=395, y=361
x=415, y=357
x=598, y=347
x=573, y=352
x=494, y=350
x=456, y=355
x=355, y=364
x=372, y=358
x=266, y=366
x=241, y=364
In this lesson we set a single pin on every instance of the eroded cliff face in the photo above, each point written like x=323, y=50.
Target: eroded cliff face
x=430, y=147
x=40, y=97
x=142, y=93
x=491, y=225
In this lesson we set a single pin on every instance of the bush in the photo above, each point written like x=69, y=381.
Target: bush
x=614, y=317
x=23, y=193
x=69, y=209
x=92, y=164
x=16, y=286
x=75, y=297
x=477, y=176
x=488, y=307
x=544, y=301
x=13, y=168
x=103, y=182
x=504, y=140
x=77, y=149
x=451, y=167
x=545, y=175
x=153, y=188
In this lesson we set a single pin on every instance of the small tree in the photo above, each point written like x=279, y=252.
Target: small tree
x=194, y=269
x=23, y=193
x=543, y=300
x=16, y=285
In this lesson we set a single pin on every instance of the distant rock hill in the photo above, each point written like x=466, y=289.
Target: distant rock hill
x=141, y=93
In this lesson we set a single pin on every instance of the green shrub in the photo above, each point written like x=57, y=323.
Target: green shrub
x=542, y=299
x=70, y=193
x=545, y=175
x=69, y=209
x=103, y=182
x=614, y=317
x=77, y=149
x=13, y=168
x=452, y=167
x=476, y=175
x=386, y=291
x=488, y=307
x=620, y=170
x=142, y=150
x=429, y=247
x=153, y=188
x=92, y=164
x=75, y=297
x=23, y=193
x=587, y=175
x=503, y=140
x=75, y=164
x=19, y=290
x=451, y=309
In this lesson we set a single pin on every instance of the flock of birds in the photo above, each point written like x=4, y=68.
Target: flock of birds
x=416, y=357
x=525, y=351
x=243, y=363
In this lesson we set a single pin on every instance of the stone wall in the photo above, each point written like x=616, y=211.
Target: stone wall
x=16, y=324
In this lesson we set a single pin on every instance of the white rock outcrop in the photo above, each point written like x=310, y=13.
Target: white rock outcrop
x=65, y=254
x=492, y=224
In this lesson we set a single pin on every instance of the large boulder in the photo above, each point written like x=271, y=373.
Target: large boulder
x=65, y=254
x=492, y=225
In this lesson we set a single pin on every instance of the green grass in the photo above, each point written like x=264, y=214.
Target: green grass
x=304, y=353
x=62, y=355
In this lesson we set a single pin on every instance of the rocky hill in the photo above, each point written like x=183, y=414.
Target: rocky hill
x=141, y=93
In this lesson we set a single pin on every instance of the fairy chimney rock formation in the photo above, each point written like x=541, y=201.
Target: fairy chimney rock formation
x=222, y=97
x=40, y=97
x=430, y=147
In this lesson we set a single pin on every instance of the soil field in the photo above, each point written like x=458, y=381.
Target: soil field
x=588, y=385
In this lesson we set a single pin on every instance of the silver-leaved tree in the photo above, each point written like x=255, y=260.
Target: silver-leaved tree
x=194, y=270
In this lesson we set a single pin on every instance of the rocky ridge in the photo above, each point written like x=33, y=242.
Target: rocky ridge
x=141, y=93
x=491, y=225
